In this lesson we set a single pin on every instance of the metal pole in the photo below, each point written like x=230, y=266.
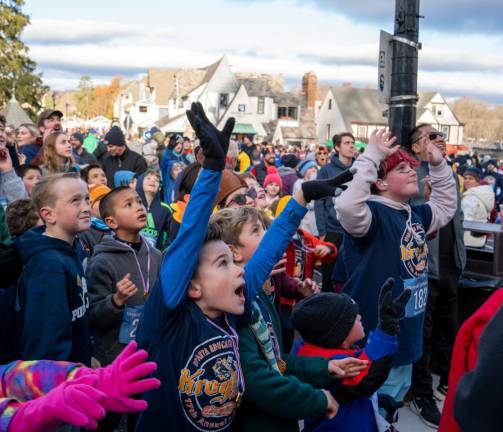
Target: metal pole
x=403, y=100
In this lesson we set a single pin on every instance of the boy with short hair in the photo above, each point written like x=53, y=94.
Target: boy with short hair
x=120, y=273
x=52, y=288
x=387, y=238
x=30, y=175
x=94, y=175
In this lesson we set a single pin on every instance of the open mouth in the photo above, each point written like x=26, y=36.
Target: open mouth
x=240, y=291
x=142, y=218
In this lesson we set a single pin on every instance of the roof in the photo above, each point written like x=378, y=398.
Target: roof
x=14, y=114
x=307, y=131
x=261, y=85
x=164, y=81
x=163, y=121
x=289, y=99
x=359, y=105
x=244, y=128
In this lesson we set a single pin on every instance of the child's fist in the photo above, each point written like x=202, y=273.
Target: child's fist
x=332, y=405
x=322, y=251
x=125, y=290
x=308, y=287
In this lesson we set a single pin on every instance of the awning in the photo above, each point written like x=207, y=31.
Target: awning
x=244, y=128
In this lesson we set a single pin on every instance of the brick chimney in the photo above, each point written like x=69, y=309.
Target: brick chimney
x=309, y=89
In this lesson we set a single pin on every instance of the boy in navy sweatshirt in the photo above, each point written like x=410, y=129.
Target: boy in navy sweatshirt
x=386, y=237
x=330, y=327
x=52, y=288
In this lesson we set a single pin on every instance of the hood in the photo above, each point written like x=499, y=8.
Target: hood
x=283, y=170
x=34, y=241
x=141, y=192
x=123, y=177
x=109, y=244
x=99, y=224
x=334, y=160
x=389, y=203
x=484, y=193
x=158, y=211
x=169, y=185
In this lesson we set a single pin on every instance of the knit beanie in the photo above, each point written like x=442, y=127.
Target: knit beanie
x=305, y=165
x=230, y=182
x=78, y=136
x=97, y=192
x=473, y=171
x=290, y=160
x=273, y=177
x=325, y=319
x=115, y=136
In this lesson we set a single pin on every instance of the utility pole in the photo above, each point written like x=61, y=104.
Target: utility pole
x=403, y=98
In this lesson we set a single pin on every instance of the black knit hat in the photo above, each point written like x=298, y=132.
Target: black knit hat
x=325, y=319
x=115, y=136
x=290, y=160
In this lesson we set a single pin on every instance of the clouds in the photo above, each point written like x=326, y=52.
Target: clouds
x=338, y=39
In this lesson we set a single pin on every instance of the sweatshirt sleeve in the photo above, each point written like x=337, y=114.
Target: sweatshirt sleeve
x=180, y=261
x=103, y=312
x=281, y=395
x=47, y=331
x=352, y=210
x=443, y=199
x=272, y=247
x=320, y=213
x=11, y=186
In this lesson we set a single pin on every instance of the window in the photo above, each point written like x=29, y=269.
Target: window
x=260, y=105
x=329, y=135
x=143, y=108
x=282, y=112
x=287, y=112
x=292, y=112
x=330, y=104
x=241, y=108
x=437, y=110
x=224, y=100
x=362, y=131
x=446, y=130
x=163, y=112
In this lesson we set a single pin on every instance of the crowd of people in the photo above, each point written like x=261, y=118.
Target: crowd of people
x=218, y=284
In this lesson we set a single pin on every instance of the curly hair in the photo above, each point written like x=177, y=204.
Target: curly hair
x=21, y=215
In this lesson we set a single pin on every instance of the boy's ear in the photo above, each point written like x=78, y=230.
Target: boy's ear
x=195, y=290
x=236, y=253
x=47, y=216
x=381, y=185
x=415, y=148
x=111, y=222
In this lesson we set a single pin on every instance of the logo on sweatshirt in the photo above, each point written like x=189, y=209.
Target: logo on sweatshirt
x=209, y=385
x=80, y=311
x=414, y=250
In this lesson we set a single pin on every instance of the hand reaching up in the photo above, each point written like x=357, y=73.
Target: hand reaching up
x=390, y=311
x=214, y=143
x=435, y=156
x=384, y=142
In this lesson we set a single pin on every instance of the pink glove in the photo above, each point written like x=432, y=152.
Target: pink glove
x=122, y=379
x=74, y=402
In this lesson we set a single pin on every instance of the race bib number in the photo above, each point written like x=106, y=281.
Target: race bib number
x=417, y=302
x=130, y=319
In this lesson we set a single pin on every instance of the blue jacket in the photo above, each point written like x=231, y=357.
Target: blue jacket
x=30, y=151
x=168, y=184
x=324, y=209
x=198, y=358
x=158, y=217
x=172, y=155
x=53, y=299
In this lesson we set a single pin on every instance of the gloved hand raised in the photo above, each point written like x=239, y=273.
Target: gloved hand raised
x=391, y=311
x=214, y=143
x=317, y=189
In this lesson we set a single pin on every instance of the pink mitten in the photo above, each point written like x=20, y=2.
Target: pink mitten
x=123, y=379
x=74, y=402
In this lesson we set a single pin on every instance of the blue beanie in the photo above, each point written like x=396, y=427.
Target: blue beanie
x=473, y=171
x=305, y=165
x=123, y=178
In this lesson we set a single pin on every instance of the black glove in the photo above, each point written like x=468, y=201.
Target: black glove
x=390, y=311
x=317, y=189
x=214, y=143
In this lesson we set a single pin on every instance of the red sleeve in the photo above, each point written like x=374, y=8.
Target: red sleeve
x=315, y=241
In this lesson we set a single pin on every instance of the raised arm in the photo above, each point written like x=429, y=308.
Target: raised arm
x=352, y=210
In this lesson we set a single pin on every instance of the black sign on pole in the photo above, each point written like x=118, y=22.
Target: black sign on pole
x=403, y=98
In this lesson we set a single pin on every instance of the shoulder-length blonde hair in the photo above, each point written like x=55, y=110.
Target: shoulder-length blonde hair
x=51, y=162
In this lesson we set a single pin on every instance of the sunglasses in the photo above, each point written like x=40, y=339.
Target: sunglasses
x=242, y=199
x=431, y=136
x=322, y=153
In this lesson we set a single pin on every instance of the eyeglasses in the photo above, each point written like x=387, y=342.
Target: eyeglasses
x=431, y=136
x=242, y=199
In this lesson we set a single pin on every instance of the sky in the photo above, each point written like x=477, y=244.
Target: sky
x=462, y=40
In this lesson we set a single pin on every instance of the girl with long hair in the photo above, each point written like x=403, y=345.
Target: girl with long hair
x=57, y=154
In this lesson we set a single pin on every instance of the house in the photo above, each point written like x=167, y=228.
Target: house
x=14, y=114
x=357, y=110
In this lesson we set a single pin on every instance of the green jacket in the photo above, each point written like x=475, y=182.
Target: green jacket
x=275, y=402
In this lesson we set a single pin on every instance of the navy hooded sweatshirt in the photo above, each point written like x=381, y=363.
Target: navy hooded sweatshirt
x=198, y=358
x=158, y=217
x=168, y=184
x=53, y=299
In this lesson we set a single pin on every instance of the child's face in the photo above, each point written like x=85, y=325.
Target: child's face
x=402, y=182
x=30, y=179
x=219, y=284
x=238, y=198
x=129, y=212
x=132, y=183
x=71, y=212
x=357, y=332
x=249, y=239
x=63, y=147
x=272, y=189
x=96, y=176
x=151, y=183
x=470, y=181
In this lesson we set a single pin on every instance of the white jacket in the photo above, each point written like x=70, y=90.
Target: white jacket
x=477, y=204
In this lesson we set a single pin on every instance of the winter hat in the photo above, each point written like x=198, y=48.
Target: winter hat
x=123, y=178
x=473, y=171
x=273, y=177
x=97, y=192
x=78, y=136
x=305, y=165
x=290, y=160
x=325, y=319
x=115, y=136
x=230, y=182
